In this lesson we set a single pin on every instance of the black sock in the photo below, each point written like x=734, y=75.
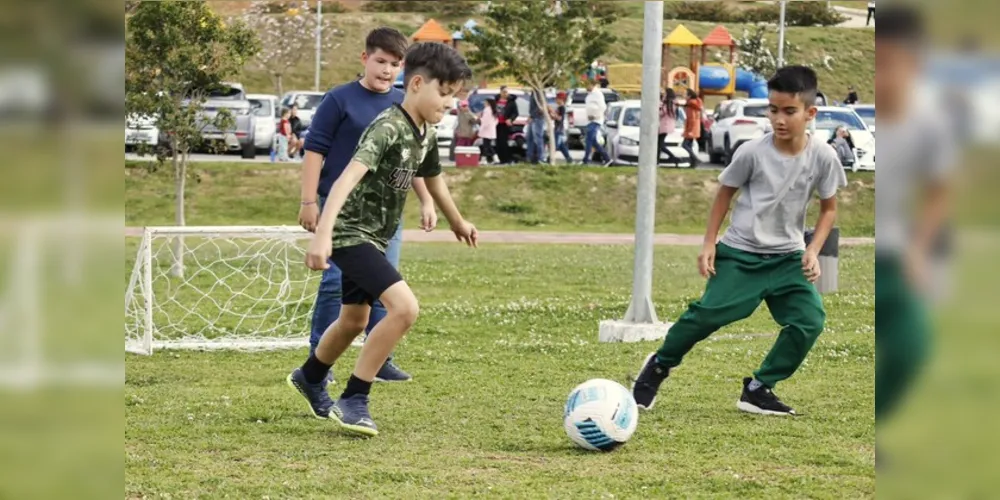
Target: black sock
x=315, y=370
x=356, y=386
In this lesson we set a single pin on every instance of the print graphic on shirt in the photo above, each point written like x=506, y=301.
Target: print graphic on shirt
x=401, y=179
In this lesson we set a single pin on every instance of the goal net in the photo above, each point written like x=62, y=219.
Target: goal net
x=226, y=287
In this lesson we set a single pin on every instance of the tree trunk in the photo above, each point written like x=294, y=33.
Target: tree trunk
x=180, y=175
x=278, y=85
x=549, y=129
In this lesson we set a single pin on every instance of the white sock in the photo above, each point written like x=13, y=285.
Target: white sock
x=754, y=385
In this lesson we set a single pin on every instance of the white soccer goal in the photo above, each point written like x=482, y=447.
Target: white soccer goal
x=226, y=287
x=56, y=283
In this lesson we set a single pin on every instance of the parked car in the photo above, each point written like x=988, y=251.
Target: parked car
x=622, y=135
x=867, y=113
x=141, y=130
x=446, y=127
x=265, y=108
x=736, y=122
x=828, y=118
x=307, y=101
x=576, y=111
x=240, y=137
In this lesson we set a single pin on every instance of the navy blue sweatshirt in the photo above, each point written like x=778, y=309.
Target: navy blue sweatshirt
x=338, y=123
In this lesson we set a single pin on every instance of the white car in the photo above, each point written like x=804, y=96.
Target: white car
x=828, y=118
x=446, y=127
x=306, y=100
x=265, y=108
x=622, y=140
x=141, y=130
x=738, y=121
x=867, y=113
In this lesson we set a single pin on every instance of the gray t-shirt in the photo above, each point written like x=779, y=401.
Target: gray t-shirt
x=775, y=189
x=919, y=149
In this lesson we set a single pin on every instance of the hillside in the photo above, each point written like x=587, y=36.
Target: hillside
x=852, y=50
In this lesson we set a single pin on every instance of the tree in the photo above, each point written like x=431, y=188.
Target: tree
x=755, y=52
x=540, y=44
x=175, y=53
x=285, y=37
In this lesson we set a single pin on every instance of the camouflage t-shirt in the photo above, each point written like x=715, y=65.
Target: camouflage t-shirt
x=394, y=151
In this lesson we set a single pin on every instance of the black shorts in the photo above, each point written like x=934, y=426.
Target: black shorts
x=365, y=273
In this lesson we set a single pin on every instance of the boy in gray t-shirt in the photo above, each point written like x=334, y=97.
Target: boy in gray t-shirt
x=763, y=257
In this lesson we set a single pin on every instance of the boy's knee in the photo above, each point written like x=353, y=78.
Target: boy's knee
x=354, y=324
x=813, y=325
x=406, y=312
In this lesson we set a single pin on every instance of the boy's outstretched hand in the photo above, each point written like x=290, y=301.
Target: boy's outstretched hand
x=810, y=266
x=706, y=261
x=318, y=253
x=428, y=217
x=466, y=232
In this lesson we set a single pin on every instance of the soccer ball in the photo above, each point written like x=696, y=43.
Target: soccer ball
x=600, y=415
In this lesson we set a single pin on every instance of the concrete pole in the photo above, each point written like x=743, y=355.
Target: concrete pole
x=642, y=310
x=319, y=42
x=781, y=35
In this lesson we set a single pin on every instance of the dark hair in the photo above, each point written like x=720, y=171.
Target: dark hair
x=435, y=61
x=670, y=100
x=798, y=80
x=388, y=39
x=691, y=94
x=492, y=103
x=900, y=23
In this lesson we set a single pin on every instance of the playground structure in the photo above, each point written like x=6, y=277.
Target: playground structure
x=713, y=78
x=725, y=78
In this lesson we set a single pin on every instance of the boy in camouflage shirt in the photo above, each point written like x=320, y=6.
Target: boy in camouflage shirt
x=361, y=215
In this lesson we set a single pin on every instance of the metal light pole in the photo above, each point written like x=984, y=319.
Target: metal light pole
x=641, y=310
x=319, y=41
x=781, y=35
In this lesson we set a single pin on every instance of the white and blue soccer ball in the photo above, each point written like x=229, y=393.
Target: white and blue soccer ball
x=600, y=415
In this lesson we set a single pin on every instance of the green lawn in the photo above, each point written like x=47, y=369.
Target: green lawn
x=505, y=333
x=571, y=199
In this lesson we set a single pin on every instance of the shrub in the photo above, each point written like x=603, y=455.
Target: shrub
x=811, y=14
x=796, y=13
x=711, y=11
x=439, y=8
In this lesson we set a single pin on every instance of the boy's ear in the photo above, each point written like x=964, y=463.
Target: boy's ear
x=416, y=83
x=811, y=112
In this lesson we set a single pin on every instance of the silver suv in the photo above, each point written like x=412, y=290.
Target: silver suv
x=240, y=137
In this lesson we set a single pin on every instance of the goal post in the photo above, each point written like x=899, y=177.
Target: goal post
x=240, y=288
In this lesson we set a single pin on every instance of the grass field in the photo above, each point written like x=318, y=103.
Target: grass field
x=505, y=333
x=540, y=199
x=852, y=50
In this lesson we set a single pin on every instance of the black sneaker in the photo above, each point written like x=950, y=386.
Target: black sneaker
x=319, y=400
x=762, y=401
x=392, y=373
x=647, y=384
x=352, y=413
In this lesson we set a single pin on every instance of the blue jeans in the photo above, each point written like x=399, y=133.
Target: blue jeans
x=590, y=143
x=562, y=145
x=536, y=140
x=327, y=307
